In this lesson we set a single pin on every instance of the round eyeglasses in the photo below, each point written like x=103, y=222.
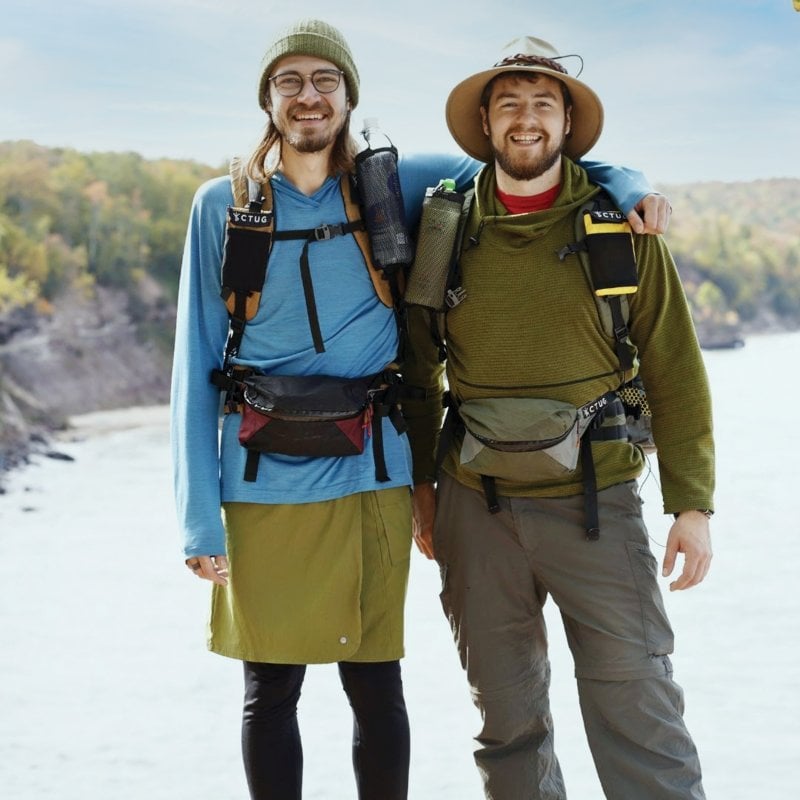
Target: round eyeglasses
x=290, y=84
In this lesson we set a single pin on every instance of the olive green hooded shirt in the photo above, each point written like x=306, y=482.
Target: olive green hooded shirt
x=529, y=327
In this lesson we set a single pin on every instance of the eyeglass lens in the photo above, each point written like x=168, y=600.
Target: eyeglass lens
x=324, y=81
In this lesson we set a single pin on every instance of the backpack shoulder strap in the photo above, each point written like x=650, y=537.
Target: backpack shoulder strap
x=248, y=241
x=604, y=246
x=353, y=212
x=469, y=197
x=453, y=290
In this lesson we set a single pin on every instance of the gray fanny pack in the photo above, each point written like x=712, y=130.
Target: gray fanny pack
x=524, y=439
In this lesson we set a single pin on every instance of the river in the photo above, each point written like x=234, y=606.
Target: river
x=106, y=690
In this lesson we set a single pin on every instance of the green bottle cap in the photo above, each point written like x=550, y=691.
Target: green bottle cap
x=448, y=184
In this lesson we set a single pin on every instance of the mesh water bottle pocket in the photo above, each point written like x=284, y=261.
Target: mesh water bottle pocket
x=379, y=186
x=441, y=214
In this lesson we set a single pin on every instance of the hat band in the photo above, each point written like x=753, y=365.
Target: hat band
x=524, y=60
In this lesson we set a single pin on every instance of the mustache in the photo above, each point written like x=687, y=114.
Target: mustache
x=309, y=109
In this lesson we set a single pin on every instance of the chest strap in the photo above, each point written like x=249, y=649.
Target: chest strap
x=323, y=233
x=244, y=271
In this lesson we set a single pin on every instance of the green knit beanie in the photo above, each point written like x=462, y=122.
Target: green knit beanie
x=310, y=37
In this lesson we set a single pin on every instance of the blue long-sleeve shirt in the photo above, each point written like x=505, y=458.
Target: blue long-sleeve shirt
x=359, y=334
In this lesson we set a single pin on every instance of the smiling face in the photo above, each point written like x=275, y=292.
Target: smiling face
x=527, y=120
x=310, y=121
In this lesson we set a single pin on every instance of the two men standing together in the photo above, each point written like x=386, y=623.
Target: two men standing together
x=310, y=560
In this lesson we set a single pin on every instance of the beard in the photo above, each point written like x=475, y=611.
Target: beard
x=314, y=140
x=311, y=142
x=521, y=166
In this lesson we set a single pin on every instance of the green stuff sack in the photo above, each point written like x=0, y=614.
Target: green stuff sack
x=521, y=439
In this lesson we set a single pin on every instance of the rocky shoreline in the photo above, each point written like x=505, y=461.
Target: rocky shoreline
x=88, y=355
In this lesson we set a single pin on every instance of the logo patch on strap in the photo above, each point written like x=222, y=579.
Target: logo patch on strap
x=607, y=216
x=249, y=219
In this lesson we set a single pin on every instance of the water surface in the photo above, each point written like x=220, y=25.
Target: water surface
x=106, y=689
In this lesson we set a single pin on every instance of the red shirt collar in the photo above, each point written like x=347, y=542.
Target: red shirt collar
x=526, y=204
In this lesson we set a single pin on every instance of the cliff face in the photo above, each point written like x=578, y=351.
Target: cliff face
x=87, y=355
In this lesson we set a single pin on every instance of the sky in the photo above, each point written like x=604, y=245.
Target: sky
x=693, y=90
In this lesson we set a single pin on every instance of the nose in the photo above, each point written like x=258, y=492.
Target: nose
x=528, y=111
x=308, y=92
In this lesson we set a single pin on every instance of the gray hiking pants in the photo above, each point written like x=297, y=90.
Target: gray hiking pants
x=497, y=571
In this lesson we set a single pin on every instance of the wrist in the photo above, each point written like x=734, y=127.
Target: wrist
x=706, y=512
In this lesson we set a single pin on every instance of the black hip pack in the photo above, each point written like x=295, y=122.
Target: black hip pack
x=305, y=416
x=317, y=416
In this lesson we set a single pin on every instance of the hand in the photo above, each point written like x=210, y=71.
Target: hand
x=210, y=568
x=689, y=535
x=424, y=509
x=651, y=214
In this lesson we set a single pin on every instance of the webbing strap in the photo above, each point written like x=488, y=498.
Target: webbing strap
x=321, y=233
x=597, y=432
x=621, y=333
x=386, y=403
x=381, y=475
x=591, y=514
x=311, y=303
x=490, y=493
x=235, y=334
x=251, y=466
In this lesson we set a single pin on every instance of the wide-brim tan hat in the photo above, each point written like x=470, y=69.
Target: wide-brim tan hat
x=526, y=54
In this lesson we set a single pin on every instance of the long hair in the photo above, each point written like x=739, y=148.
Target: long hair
x=265, y=159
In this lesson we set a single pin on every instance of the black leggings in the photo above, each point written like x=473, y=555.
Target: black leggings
x=273, y=754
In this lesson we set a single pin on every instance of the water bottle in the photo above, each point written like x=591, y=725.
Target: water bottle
x=379, y=187
x=434, y=258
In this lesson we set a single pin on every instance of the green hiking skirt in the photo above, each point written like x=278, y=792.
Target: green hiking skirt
x=315, y=583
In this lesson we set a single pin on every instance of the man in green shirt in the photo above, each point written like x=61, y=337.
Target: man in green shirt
x=529, y=331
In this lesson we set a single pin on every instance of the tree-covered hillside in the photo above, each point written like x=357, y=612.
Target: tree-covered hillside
x=71, y=220
x=737, y=246
x=75, y=221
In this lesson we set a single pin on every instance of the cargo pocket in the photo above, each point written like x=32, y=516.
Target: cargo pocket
x=394, y=510
x=658, y=634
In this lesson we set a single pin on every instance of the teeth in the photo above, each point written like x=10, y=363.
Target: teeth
x=309, y=116
x=525, y=139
